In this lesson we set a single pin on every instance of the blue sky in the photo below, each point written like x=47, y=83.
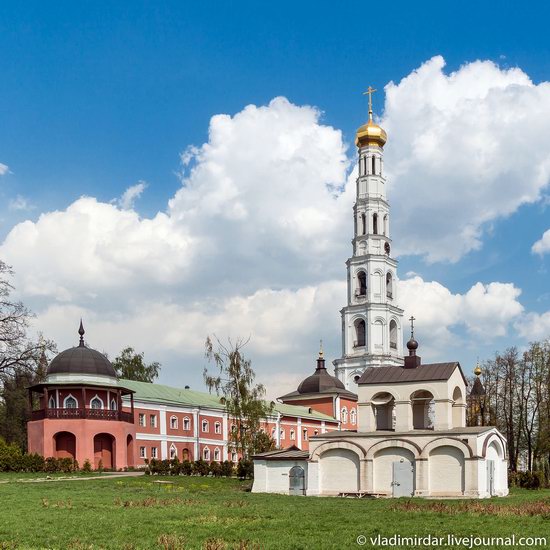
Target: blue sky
x=97, y=96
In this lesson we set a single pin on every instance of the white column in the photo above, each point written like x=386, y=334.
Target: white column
x=278, y=431
x=299, y=428
x=225, y=428
x=164, y=440
x=443, y=414
x=196, y=449
x=403, y=416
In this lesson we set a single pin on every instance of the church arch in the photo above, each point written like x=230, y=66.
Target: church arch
x=458, y=409
x=446, y=466
x=330, y=445
x=70, y=402
x=413, y=448
x=422, y=403
x=96, y=402
x=463, y=447
x=393, y=334
x=339, y=471
x=383, y=407
x=375, y=223
x=389, y=285
x=360, y=333
x=361, y=283
x=363, y=224
x=499, y=442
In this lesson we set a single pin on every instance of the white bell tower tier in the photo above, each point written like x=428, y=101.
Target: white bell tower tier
x=371, y=320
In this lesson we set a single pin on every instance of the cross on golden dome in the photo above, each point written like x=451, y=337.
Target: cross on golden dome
x=370, y=90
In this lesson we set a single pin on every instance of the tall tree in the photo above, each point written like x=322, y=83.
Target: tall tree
x=131, y=366
x=17, y=350
x=243, y=399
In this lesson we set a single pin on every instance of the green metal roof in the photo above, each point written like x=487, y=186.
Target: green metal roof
x=168, y=395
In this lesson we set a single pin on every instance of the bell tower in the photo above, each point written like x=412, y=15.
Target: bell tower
x=371, y=320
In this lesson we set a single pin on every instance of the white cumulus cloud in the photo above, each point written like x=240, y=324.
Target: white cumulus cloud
x=4, y=169
x=129, y=197
x=465, y=148
x=542, y=246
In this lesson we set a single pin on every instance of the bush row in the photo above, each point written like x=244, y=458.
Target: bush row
x=12, y=459
x=244, y=468
x=527, y=480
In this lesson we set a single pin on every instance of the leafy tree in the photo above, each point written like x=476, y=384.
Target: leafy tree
x=131, y=366
x=242, y=398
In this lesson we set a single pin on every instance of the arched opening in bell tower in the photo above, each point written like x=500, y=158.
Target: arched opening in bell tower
x=363, y=224
x=373, y=159
x=360, y=333
x=375, y=223
x=389, y=285
x=361, y=283
x=393, y=334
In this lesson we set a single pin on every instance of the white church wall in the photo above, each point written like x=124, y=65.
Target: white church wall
x=272, y=476
x=339, y=471
x=447, y=471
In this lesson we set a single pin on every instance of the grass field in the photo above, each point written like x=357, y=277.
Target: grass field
x=217, y=514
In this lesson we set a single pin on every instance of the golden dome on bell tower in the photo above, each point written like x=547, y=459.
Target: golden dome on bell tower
x=370, y=133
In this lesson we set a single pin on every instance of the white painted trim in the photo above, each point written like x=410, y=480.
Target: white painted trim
x=99, y=399
x=196, y=444
x=84, y=378
x=225, y=429
x=67, y=397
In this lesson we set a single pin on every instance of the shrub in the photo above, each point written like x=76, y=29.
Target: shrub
x=87, y=467
x=245, y=469
x=227, y=468
x=201, y=468
x=100, y=465
x=216, y=469
x=186, y=468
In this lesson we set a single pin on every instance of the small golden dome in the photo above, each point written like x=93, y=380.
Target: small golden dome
x=477, y=370
x=370, y=134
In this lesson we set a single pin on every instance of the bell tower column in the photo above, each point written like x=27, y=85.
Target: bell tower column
x=372, y=319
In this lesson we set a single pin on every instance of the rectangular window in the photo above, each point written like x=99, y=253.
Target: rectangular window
x=141, y=419
x=142, y=452
x=217, y=428
x=153, y=452
x=153, y=420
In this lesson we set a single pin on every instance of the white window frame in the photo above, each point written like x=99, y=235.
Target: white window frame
x=206, y=454
x=186, y=424
x=353, y=417
x=154, y=452
x=99, y=399
x=203, y=424
x=292, y=435
x=50, y=401
x=217, y=454
x=142, y=420
x=344, y=415
x=143, y=452
x=173, y=452
x=173, y=422
x=217, y=427
x=234, y=457
x=114, y=406
x=305, y=434
x=282, y=434
x=153, y=420
x=70, y=396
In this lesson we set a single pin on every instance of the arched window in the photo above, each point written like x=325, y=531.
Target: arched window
x=70, y=402
x=362, y=283
x=353, y=417
x=292, y=435
x=173, y=451
x=360, y=333
x=234, y=457
x=186, y=424
x=217, y=428
x=185, y=454
x=51, y=403
x=206, y=454
x=216, y=454
x=389, y=285
x=205, y=425
x=363, y=224
x=373, y=158
x=393, y=334
x=344, y=415
x=422, y=402
x=282, y=434
x=113, y=404
x=375, y=223
x=96, y=403
x=174, y=422
x=356, y=378
x=305, y=434
x=386, y=225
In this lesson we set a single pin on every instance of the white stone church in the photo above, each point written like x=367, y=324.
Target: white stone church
x=411, y=437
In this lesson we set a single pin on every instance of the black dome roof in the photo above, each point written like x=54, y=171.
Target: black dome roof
x=81, y=360
x=319, y=382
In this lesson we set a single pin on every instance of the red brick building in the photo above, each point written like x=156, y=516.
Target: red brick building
x=85, y=412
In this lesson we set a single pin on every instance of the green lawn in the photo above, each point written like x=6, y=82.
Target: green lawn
x=216, y=514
